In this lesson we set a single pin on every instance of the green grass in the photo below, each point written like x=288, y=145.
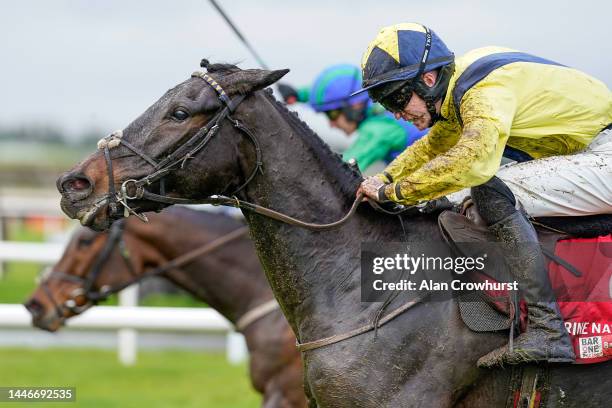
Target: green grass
x=19, y=282
x=159, y=379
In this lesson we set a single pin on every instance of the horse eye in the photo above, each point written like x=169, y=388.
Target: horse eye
x=180, y=115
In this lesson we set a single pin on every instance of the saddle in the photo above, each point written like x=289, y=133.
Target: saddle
x=576, y=270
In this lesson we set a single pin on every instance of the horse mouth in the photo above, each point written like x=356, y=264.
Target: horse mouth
x=96, y=216
x=48, y=325
x=87, y=215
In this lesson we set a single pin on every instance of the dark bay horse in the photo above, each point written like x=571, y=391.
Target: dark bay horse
x=228, y=278
x=425, y=357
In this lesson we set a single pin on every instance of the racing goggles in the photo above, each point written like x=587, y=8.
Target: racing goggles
x=396, y=101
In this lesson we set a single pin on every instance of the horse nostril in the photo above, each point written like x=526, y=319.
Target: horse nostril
x=75, y=184
x=35, y=308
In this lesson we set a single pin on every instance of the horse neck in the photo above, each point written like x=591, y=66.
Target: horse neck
x=230, y=284
x=315, y=275
x=300, y=172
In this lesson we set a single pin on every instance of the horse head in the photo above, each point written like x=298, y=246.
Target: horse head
x=159, y=150
x=93, y=266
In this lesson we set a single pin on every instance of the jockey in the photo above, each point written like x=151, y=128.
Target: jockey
x=554, y=120
x=380, y=135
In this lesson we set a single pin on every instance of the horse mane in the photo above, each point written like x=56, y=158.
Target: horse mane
x=346, y=175
x=219, y=67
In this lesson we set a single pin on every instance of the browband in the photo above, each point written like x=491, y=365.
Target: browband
x=215, y=85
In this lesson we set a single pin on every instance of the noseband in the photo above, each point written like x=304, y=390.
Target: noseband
x=136, y=189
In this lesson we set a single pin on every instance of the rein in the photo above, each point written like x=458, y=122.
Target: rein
x=220, y=200
x=186, y=258
x=115, y=239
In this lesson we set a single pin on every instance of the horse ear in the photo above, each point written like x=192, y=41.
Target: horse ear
x=251, y=80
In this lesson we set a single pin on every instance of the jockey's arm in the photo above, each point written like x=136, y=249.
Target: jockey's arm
x=435, y=142
x=487, y=114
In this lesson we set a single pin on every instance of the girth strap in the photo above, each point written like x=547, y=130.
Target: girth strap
x=311, y=345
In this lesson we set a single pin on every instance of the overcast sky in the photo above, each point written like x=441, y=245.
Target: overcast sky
x=99, y=64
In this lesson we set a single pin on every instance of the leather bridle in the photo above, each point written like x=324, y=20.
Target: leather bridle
x=133, y=189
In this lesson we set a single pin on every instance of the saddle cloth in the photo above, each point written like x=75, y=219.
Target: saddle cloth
x=585, y=301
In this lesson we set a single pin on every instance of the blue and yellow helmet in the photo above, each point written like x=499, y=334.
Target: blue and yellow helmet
x=333, y=88
x=402, y=52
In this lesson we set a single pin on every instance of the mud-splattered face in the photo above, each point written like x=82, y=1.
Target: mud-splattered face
x=416, y=109
x=416, y=112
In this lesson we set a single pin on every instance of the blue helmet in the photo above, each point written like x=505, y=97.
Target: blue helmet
x=396, y=58
x=402, y=52
x=334, y=86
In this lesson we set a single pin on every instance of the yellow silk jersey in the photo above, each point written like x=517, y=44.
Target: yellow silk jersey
x=503, y=97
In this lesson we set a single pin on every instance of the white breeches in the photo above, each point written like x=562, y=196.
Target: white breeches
x=573, y=185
